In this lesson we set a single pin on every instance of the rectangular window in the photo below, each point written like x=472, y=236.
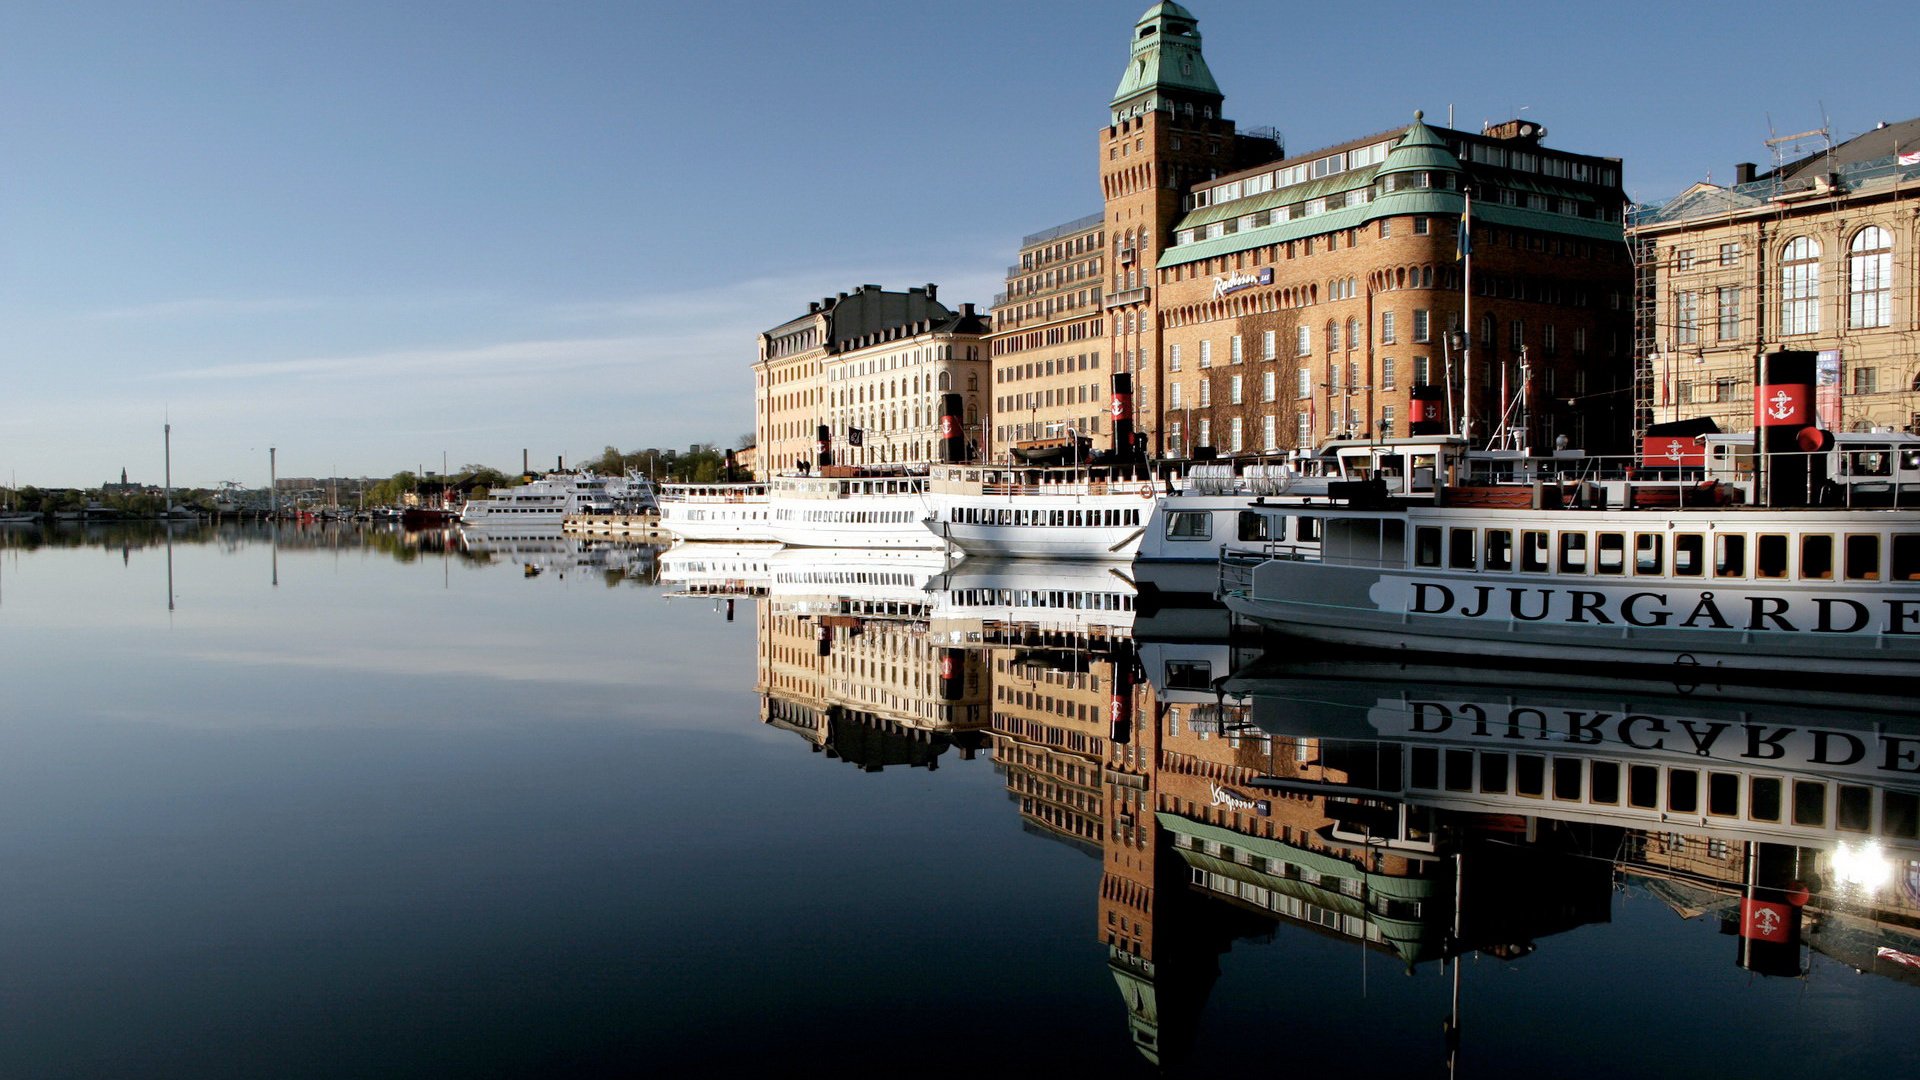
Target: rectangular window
x=1173, y=396
x=1233, y=349
x=1386, y=373
x=1234, y=427
x=1233, y=391
x=1386, y=422
x=1729, y=254
x=1305, y=389
x=1420, y=226
x=1268, y=383
x=1728, y=328
x=1423, y=371
x=1303, y=344
x=1420, y=325
x=1173, y=358
x=1206, y=392
x=1686, y=317
x=1266, y=345
x=1206, y=353
x=1499, y=549
x=1729, y=555
x=1386, y=328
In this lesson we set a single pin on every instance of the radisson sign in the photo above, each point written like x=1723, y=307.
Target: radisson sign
x=1228, y=284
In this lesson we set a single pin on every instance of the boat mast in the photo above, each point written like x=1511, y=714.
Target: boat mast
x=1466, y=315
x=166, y=433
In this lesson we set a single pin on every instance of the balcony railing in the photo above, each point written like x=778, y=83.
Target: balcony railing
x=1126, y=296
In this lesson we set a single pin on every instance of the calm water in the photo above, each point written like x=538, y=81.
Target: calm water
x=371, y=806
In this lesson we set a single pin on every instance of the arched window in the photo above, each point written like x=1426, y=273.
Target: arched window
x=1800, y=286
x=1353, y=333
x=1333, y=335
x=1870, y=279
x=944, y=381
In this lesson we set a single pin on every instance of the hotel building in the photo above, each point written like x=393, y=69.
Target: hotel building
x=1264, y=301
x=1048, y=331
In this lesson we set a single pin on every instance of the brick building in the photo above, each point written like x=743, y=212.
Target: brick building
x=1048, y=374
x=1265, y=301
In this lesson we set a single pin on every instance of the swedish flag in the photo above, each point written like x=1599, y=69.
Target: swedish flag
x=1463, y=244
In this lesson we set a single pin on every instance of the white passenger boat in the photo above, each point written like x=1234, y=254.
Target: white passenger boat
x=983, y=601
x=551, y=498
x=851, y=507
x=712, y=569
x=1755, y=592
x=864, y=583
x=1043, y=512
x=1221, y=506
x=735, y=512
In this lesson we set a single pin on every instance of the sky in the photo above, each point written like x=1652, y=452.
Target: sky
x=380, y=236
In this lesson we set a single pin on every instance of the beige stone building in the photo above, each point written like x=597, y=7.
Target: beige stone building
x=1817, y=255
x=1048, y=372
x=870, y=366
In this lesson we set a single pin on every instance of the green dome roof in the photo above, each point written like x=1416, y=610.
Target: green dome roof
x=1419, y=150
x=1165, y=58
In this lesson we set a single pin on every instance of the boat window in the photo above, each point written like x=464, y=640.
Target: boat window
x=1906, y=557
x=1493, y=773
x=1809, y=803
x=1533, y=551
x=1763, y=798
x=1459, y=770
x=1900, y=814
x=1529, y=775
x=1683, y=791
x=1568, y=774
x=1647, y=556
x=1460, y=549
x=1863, y=557
x=1816, y=557
x=1499, y=549
x=1603, y=784
x=1689, y=550
x=1189, y=675
x=1307, y=530
x=1190, y=526
x=1730, y=555
x=1573, y=553
x=1723, y=794
x=1426, y=546
x=1770, y=556
x=1643, y=787
x=1425, y=768
x=1253, y=526
x=1611, y=556
x=1853, y=810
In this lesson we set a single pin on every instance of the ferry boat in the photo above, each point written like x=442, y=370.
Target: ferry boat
x=730, y=512
x=1522, y=573
x=718, y=570
x=989, y=601
x=1722, y=760
x=551, y=498
x=859, y=583
x=1220, y=506
x=1046, y=504
x=849, y=506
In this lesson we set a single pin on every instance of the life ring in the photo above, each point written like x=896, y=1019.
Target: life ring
x=1146, y=492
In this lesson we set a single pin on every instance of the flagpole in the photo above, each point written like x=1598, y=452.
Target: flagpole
x=1466, y=293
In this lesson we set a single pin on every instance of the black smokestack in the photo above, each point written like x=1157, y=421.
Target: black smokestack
x=1784, y=421
x=1123, y=447
x=953, y=674
x=825, y=438
x=1423, y=412
x=953, y=434
x=730, y=467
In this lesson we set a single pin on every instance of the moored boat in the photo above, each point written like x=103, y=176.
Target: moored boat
x=1786, y=589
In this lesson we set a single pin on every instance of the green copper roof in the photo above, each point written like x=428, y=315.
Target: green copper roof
x=1165, y=56
x=1419, y=150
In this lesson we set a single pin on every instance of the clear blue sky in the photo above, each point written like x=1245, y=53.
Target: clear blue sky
x=373, y=233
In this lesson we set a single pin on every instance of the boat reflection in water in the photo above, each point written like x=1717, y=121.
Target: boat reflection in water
x=1416, y=816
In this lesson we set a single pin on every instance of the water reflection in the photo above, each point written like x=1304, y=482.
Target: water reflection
x=1231, y=795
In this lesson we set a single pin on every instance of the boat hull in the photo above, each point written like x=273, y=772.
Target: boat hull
x=1779, y=632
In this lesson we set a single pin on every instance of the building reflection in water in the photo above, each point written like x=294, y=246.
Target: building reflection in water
x=1420, y=817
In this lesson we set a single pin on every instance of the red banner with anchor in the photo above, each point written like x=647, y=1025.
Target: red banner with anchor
x=1764, y=921
x=1783, y=406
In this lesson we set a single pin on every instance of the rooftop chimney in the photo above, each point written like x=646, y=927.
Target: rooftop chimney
x=932, y=291
x=1743, y=173
x=966, y=310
